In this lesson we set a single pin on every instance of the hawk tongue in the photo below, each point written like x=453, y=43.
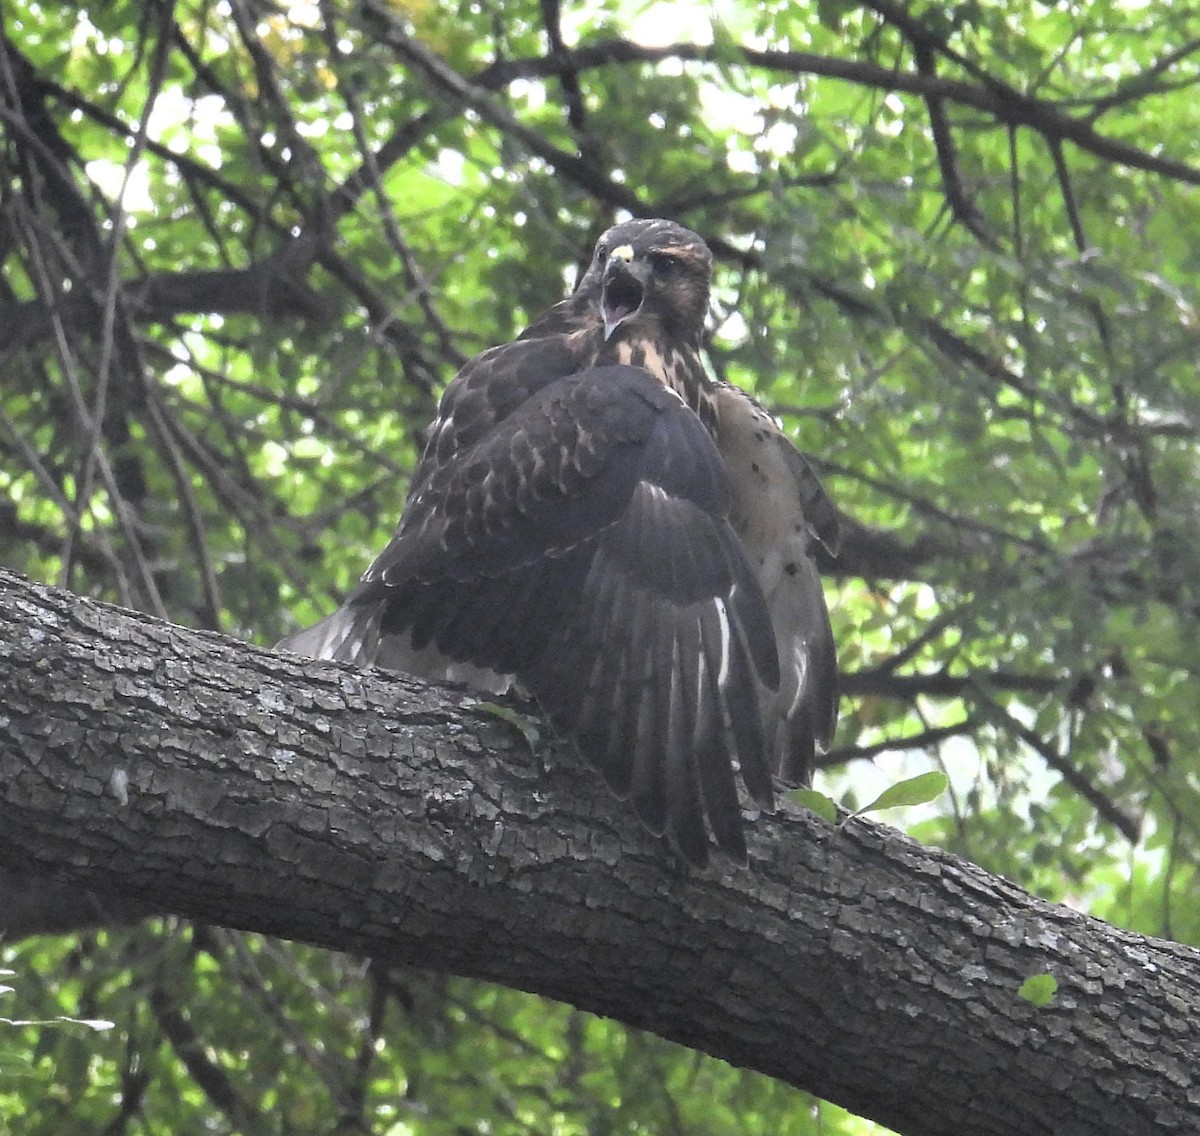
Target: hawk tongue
x=622, y=298
x=614, y=316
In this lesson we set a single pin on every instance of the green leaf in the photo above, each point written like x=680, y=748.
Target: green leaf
x=825, y=807
x=1039, y=989
x=919, y=790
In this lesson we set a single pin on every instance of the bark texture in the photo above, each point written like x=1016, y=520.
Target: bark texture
x=195, y=774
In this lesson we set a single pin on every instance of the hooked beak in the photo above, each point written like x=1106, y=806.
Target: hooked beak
x=622, y=291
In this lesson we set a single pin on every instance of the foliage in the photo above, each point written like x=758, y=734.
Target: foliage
x=244, y=246
x=1038, y=989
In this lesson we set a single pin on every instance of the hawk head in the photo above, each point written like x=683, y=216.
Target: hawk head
x=651, y=272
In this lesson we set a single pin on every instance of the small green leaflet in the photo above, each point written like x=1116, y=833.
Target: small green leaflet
x=912, y=791
x=917, y=790
x=527, y=726
x=1039, y=989
x=815, y=802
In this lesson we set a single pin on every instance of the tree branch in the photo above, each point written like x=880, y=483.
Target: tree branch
x=375, y=814
x=1005, y=104
x=272, y=289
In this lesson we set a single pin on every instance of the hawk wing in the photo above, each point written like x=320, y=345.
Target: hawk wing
x=487, y=389
x=632, y=542
x=579, y=539
x=779, y=507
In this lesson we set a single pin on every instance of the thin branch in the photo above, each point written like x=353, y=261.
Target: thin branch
x=113, y=328
x=942, y=685
x=126, y=516
x=1145, y=83
x=214, y=1082
x=1068, y=195
x=53, y=492
x=926, y=739
x=193, y=518
x=466, y=92
x=1005, y=104
x=962, y=208
x=568, y=80
x=418, y=283
x=1127, y=826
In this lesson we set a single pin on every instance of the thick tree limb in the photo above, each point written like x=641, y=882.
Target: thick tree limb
x=198, y=775
x=270, y=290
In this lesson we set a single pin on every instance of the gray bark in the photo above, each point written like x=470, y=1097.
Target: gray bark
x=190, y=773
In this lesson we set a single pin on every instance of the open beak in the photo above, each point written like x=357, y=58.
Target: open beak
x=622, y=291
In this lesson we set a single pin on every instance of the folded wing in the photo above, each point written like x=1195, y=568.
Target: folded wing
x=581, y=541
x=779, y=508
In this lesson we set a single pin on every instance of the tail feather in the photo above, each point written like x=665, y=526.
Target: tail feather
x=349, y=635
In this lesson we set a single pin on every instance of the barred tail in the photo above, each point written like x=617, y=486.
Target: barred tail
x=349, y=635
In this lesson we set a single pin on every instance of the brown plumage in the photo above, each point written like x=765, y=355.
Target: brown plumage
x=629, y=539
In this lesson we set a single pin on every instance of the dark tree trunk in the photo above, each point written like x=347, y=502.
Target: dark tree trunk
x=190, y=773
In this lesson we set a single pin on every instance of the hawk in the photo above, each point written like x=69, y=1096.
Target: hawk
x=629, y=539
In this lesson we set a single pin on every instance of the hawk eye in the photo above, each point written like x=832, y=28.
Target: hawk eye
x=601, y=254
x=663, y=266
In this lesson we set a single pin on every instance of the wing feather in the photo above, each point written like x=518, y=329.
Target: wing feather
x=647, y=787
x=608, y=492
x=686, y=810
x=779, y=508
x=714, y=759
